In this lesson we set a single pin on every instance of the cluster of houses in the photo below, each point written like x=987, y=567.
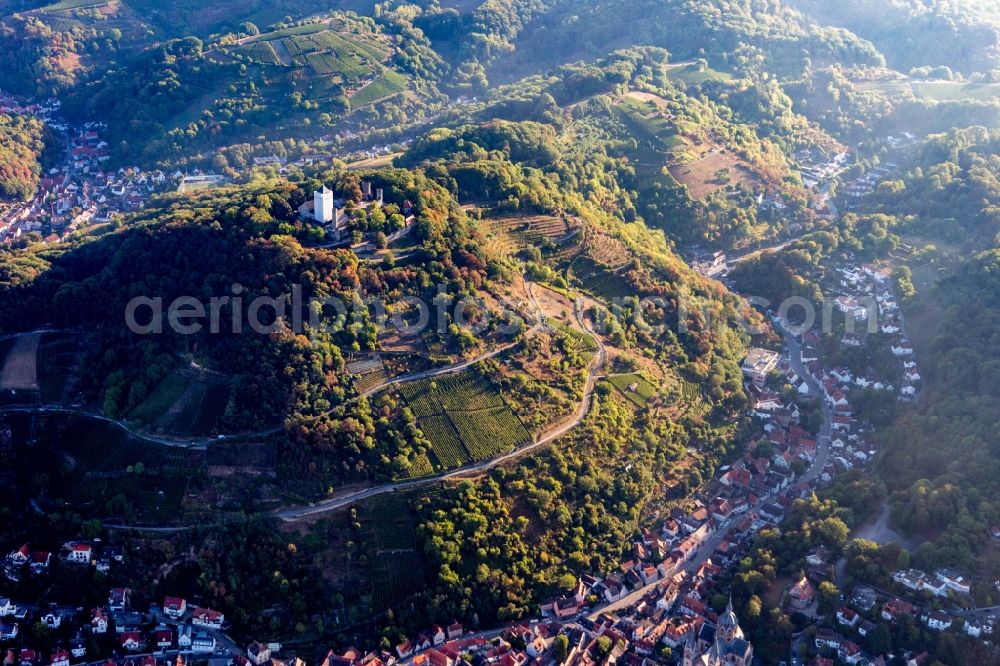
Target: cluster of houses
x=868, y=297
x=80, y=191
x=711, y=263
x=865, y=609
x=818, y=166
x=25, y=560
x=173, y=627
x=938, y=585
x=866, y=183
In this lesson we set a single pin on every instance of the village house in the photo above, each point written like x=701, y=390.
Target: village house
x=174, y=607
x=99, y=621
x=758, y=364
x=80, y=553
x=893, y=610
x=8, y=630
x=19, y=557
x=918, y=581
x=184, y=638
x=938, y=620
x=163, y=638
x=206, y=617
x=59, y=657
x=847, y=617
x=131, y=640
x=954, y=580
x=40, y=562
x=802, y=594
x=119, y=598
x=202, y=643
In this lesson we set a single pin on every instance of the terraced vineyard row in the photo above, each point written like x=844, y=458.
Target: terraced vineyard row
x=464, y=418
x=423, y=402
x=395, y=576
x=467, y=391
x=512, y=234
x=419, y=467
x=599, y=279
x=445, y=441
x=607, y=250
x=490, y=432
x=691, y=393
x=387, y=84
x=371, y=379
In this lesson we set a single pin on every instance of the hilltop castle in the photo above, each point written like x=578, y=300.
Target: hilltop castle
x=728, y=648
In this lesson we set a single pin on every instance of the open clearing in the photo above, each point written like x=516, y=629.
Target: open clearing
x=20, y=368
x=713, y=168
x=954, y=90
x=703, y=166
x=634, y=387
x=877, y=529
x=690, y=74
x=899, y=88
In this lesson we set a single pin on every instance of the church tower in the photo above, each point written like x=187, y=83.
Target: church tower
x=690, y=649
x=729, y=627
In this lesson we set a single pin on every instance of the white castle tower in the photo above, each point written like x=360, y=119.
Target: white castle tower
x=323, y=210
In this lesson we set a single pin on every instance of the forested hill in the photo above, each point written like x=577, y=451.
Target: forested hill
x=25, y=144
x=251, y=237
x=942, y=458
x=743, y=36
x=964, y=34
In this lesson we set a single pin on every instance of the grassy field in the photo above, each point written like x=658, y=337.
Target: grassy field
x=66, y=5
x=389, y=83
x=306, y=29
x=644, y=390
x=691, y=74
x=955, y=90
x=895, y=88
x=648, y=121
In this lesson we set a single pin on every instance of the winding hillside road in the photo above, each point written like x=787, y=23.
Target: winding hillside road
x=593, y=372
x=202, y=443
x=90, y=414
x=293, y=514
